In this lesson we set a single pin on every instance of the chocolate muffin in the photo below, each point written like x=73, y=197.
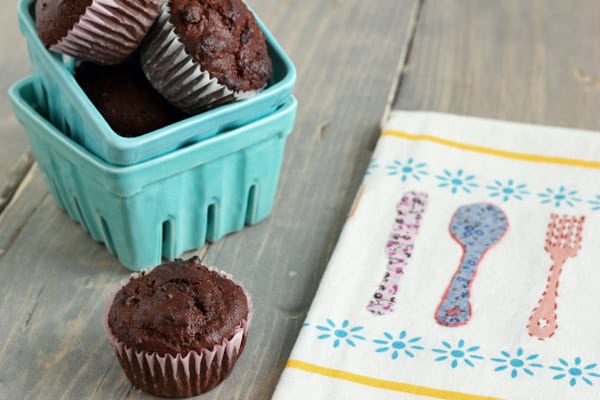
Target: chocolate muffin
x=220, y=53
x=101, y=31
x=125, y=98
x=178, y=329
x=223, y=37
x=53, y=19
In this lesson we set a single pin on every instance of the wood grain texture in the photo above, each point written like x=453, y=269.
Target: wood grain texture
x=15, y=159
x=346, y=53
x=534, y=61
x=528, y=61
x=55, y=279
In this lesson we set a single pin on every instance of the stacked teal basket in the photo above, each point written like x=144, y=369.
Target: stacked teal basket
x=157, y=195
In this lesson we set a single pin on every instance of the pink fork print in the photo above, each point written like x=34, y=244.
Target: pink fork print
x=399, y=249
x=563, y=241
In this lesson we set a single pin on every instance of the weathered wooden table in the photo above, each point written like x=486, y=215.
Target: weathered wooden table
x=531, y=61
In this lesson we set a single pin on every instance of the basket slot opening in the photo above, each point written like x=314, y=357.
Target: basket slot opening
x=53, y=189
x=187, y=143
x=167, y=239
x=80, y=217
x=251, y=205
x=211, y=222
x=107, y=236
x=41, y=95
x=59, y=195
x=66, y=128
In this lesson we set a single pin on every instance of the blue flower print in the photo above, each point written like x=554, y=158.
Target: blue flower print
x=457, y=354
x=575, y=372
x=372, y=165
x=457, y=181
x=341, y=334
x=517, y=363
x=508, y=190
x=408, y=169
x=595, y=203
x=399, y=345
x=473, y=230
x=559, y=197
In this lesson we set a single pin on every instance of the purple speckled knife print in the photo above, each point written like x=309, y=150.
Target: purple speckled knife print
x=399, y=250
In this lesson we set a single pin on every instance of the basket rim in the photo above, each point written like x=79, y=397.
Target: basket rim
x=133, y=178
x=113, y=142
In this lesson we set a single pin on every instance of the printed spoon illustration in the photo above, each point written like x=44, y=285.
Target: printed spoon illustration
x=563, y=241
x=476, y=227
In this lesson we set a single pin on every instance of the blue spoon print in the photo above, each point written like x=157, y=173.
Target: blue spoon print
x=476, y=227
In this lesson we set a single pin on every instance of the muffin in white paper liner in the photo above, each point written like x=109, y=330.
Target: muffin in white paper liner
x=175, y=74
x=109, y=30
x=180, y=375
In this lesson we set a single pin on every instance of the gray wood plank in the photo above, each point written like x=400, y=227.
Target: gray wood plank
x=528, y=61
x=18, y=212
x=55, y=279
x=346, y=53
x=15, y=158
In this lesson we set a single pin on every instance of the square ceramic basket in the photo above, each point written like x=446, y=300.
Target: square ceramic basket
x=70, y=110
x=166, y=205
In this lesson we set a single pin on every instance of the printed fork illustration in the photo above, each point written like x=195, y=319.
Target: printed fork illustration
x=563, y=241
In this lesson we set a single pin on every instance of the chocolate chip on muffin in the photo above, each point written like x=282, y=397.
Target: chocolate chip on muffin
x=201, y=54
x=179, y=329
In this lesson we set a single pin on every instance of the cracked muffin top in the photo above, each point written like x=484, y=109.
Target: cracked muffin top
x=177, y=307
x=225, y=39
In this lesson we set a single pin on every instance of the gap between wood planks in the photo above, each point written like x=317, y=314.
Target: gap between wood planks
x=403, y=60
x=392, y=95
x=24, y=173
x=16, y=180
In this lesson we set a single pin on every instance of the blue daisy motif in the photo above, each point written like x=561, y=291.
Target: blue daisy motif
x=508, y=190
x=517, y=363
x=457, y=181
x=595, y=203
x=399, y=345
x=457, y=354
x=372, y=165
x=575, y=372
x=408, y=169
x=340, y=334
x=559, y=197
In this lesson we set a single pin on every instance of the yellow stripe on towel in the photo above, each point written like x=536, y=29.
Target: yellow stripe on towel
x=495, y=152
x=383, y=384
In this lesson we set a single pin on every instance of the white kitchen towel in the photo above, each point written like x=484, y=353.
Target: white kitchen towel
x=468, y=268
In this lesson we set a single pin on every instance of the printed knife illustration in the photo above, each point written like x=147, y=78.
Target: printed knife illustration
x=563, y=241
x=476, y=227
x=399, y=249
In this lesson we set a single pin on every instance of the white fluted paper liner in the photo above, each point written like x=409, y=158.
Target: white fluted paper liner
x=179, y=376
x=109, y=30
x=176, y=76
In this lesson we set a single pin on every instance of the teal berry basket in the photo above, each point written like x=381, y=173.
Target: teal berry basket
x=70, y=110
x=169, y=204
